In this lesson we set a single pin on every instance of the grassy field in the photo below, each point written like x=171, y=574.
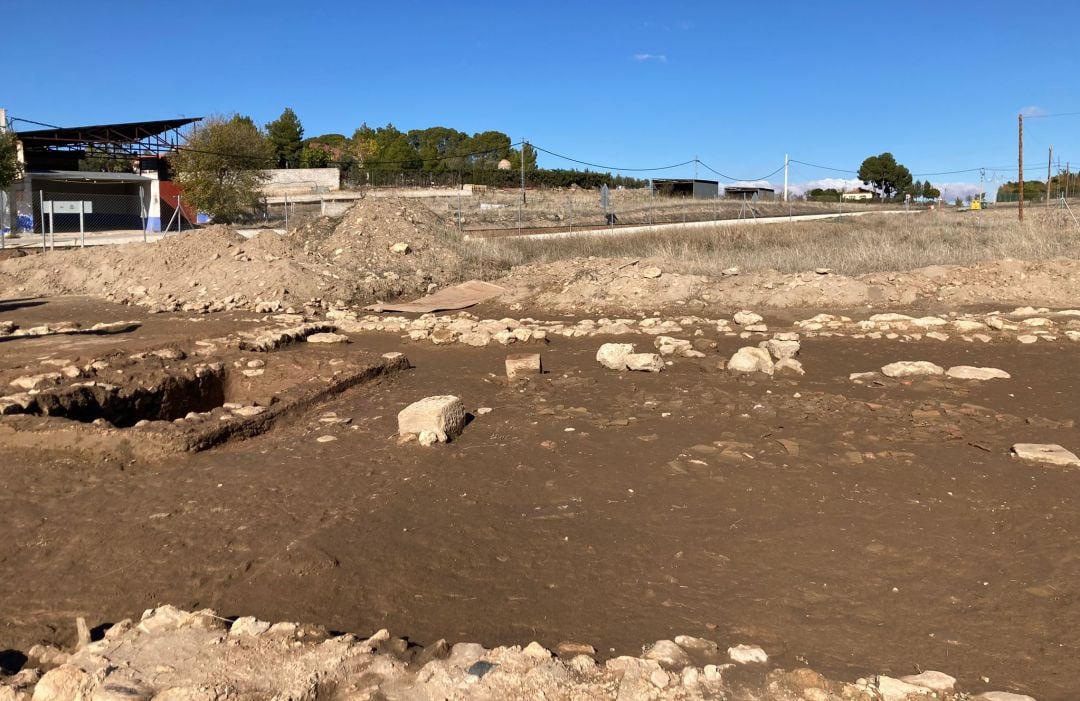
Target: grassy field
x=851, y=246
x=499, y=209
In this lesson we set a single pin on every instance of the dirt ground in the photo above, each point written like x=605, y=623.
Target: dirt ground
x=854, y=528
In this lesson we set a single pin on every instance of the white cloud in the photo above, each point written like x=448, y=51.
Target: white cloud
x=1033, y=111
x=950, y=191
x=800, y=189
x=659, y=58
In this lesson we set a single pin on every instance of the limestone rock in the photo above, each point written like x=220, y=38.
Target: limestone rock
x=523, y=365
x=613, y=355
x=65, y=683
x=248, y=625
x=327, y=337
x=967, y=372
x=781, y=348
x=401, y=248
x=895, y=690
x=935, y=681
x=751, y=359
x=747, y=318
x=477, y=339
x=1048, y=453
x=911, y=368
x=747, y=654
x=1002, y=696
x=651, y=273
x=644, y=362
x=443, y=415
x=788, y=366
x=668, y=654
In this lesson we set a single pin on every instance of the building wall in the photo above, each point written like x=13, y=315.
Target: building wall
x=288, y=181
x=706, y=191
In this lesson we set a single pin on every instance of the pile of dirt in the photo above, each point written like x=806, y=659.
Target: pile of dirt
x=389, y=246
x=216, y=269
x=605, y=285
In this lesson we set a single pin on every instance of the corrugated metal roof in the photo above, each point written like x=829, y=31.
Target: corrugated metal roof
x=127, y=132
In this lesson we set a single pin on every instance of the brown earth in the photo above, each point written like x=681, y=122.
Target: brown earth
x=857, y=529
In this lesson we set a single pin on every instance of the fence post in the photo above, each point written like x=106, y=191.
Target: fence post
x=41, y=200
x=286, y=213
x=82, y=229
x=570, y=201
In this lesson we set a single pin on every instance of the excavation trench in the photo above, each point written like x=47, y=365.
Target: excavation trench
x=172, y=397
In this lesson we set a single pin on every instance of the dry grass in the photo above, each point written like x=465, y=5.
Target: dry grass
x=546, y=208
x=851, y=246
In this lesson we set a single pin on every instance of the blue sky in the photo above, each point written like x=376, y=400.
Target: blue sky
x=629, y=84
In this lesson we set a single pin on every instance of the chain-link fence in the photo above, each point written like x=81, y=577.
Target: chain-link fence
x=54, y=219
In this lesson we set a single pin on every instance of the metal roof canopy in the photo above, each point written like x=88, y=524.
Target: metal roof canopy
x=132, y=138
x=84, y=176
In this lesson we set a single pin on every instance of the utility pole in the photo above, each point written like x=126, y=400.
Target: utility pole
x=1049, y=160
x=695, y=166
x=524, y=144
x=785, y=176
x=1020, y=163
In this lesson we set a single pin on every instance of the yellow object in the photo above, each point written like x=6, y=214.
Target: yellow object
x=976, y=204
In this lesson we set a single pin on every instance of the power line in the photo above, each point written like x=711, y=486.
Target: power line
x=597, y=165
x=728, y=177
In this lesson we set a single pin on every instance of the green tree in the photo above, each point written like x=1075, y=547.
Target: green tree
x=886, y=175
x=530, y=158
x=286, y=136
x=10, y=168
x=221, y=167
x=929, y=191
x=487, y=148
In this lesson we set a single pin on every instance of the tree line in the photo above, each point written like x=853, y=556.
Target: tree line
x=223, y=162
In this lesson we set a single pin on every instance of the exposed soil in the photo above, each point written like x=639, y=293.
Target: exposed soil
x=855, y=528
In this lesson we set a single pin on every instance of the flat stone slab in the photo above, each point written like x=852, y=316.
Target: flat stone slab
x=968, y=372
x=523, y=365
x=1047, y=453
x=327, y=338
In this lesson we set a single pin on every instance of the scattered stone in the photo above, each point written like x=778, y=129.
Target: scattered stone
x=613, y=355
x=401, y=248
x=651, y=273
x=442, y=415
x=326, y=439
x=668, y=654
x=862, y=376
x=644, y=362
x=968, y=372
x=327, y=337
x=747, y=654
x=65, y=683
x=1027, y=338
x=523, y=365
x=1048, y=453
x=248, y=625
x=571, y=649
x=891, y=689
x=782, y=348
x=1002, y=696
x=751, y=359
x=911, y=368
x=788, y=366
x=747, y=318
x=935, y=681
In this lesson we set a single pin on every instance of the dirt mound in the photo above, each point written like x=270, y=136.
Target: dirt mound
x=389, y=246
x=215, y=269
x=212, y=268
x=629, y=284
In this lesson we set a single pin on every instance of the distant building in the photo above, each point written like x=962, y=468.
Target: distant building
x=136, y=193
x=748, y=192
x=691, y=187
x=857, y=194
